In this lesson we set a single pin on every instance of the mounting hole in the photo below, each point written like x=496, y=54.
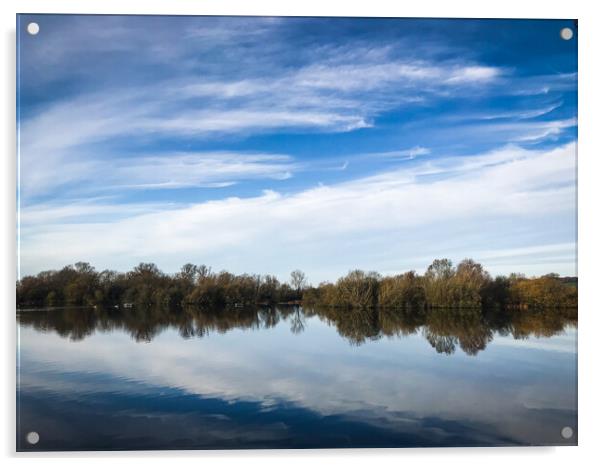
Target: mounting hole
x=566, y=33
x=33, y=438
x=566, y=432
x=33, y=28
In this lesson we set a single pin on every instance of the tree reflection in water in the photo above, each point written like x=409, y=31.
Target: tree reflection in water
x=444, y=329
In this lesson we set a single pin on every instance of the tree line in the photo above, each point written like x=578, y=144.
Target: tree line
x=82, y=285
x=443, y=285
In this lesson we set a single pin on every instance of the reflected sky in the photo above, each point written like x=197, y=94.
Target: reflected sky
x=255, y=385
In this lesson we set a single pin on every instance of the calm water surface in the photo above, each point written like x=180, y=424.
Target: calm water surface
x=285, y=378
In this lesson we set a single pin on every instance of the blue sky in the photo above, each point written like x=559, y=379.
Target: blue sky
x=268, y=144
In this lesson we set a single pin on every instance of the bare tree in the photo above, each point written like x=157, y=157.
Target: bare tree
x=298, y=280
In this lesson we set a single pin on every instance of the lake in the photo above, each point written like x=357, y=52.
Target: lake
x=109, y=379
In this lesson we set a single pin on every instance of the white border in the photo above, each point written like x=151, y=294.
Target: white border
x=590, y=235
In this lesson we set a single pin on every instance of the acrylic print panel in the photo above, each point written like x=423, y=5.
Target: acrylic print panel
x=253, y=232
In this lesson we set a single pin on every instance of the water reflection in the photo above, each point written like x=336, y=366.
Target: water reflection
x=287, y=377
x=445, y=330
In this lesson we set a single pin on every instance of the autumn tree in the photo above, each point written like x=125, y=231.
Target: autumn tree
x=468, y=282
x=437, y=283
x=402, y=291
x=358, y=289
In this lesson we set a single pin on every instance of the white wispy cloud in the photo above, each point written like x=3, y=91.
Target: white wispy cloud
x=215, y=169
x=517, y=114
x=524, y=131
x=301, y=100
x=87, y=210
x=541, y=84
x=368, y=76
x=411, y=153
x=477, y=193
